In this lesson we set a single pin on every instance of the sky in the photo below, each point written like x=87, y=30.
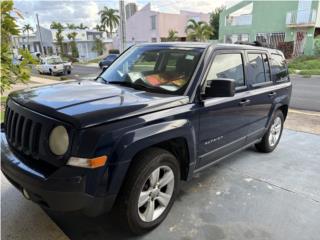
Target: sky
x=86, y=11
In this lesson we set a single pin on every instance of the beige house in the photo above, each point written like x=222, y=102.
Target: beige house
x=149, y=25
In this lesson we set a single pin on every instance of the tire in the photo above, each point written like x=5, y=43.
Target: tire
x=69, y=72
x=51, y=73
x=138, y=184
x=272, y=137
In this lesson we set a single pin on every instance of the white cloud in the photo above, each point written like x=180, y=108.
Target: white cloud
x=86, y=11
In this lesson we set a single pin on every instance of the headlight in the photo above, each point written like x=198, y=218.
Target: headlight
x=59, y=140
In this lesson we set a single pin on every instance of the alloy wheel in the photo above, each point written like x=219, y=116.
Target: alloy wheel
x=156, y=194
x=275, y=131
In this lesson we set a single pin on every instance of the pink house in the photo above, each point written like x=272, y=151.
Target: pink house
x=148, y=25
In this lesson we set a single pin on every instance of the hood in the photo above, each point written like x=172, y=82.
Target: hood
x=88, y=103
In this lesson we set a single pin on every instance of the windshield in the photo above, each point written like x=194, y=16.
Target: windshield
x=160, y=69
x=54, y=60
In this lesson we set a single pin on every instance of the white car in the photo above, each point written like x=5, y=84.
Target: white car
x=53, y=66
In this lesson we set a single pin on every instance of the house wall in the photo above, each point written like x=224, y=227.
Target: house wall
x=138, y=26
x=269, y=17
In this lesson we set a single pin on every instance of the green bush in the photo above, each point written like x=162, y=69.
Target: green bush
x=305, y=62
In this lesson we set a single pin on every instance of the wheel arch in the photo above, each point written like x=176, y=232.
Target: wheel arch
x=178, y=137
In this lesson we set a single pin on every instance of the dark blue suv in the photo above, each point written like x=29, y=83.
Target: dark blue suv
x=157, y=115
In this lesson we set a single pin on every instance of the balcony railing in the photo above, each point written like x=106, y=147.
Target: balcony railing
x=301, y=18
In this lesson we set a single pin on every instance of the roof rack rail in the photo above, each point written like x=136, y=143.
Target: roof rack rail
x=255, y=43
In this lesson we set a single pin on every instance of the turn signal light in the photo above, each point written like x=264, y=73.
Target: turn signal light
x=88, y=162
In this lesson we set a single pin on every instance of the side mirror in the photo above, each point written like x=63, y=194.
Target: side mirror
x=220, y=88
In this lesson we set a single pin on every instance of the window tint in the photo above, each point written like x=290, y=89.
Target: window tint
x=279, y=67
x=227, y=66
x=257, y=63
x=266, y=67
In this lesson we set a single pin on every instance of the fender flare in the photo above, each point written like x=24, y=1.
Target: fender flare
x=137, y=140
x=277, y=103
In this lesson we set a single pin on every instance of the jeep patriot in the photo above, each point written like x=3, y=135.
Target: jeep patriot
x=158, y=114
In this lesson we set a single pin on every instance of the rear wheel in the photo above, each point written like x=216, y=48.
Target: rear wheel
x=272, y=137
x=150, y=189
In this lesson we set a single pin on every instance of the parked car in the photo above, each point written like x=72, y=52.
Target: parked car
x=106, y=62
x=158, y=115
x=54, y=65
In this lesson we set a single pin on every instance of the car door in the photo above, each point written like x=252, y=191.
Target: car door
x=222, y=126
x=262, y=93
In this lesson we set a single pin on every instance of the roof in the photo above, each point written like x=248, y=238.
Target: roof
x=206, y=44
x=177, y=44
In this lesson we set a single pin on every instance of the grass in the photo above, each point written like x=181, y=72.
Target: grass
x=3, y=106
x=305, y=65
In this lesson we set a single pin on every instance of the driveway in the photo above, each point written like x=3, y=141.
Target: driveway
x=248, y=196
x=305, y=93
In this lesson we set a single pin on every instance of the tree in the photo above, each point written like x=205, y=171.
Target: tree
x=12, y=73
x=27, y=28
x=82, y=26
x=98, y=46
x=71, y=26
x=100, y=28
x=214, y=21
x=109, y=19
x=59, y=37
x=73, y=45
x=172, y=35
x=198, y=31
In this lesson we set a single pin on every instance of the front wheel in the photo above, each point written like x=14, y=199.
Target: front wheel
x=150, y=189
x=272, y=137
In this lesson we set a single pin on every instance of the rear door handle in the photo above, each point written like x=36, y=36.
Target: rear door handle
x=272, y=94
x=244, y=102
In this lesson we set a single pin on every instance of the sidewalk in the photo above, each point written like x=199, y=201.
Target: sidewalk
x=303, y=121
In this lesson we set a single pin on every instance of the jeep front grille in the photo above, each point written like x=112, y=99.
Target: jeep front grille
x=22, y=133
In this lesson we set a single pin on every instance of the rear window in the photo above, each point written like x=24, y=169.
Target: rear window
x=279, y=67
x=259, y=68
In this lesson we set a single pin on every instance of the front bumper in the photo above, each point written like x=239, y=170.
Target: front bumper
x=64, y=190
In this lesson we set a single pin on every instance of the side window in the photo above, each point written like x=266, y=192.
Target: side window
x=266, y=67
x=227, y=66
x=257, y=65
x=279, y=67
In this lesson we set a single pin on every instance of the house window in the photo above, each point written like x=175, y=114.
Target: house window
x=153, y=22
x=233, y=38
x=272, y=39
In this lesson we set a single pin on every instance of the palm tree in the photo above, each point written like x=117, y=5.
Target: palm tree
x=100, y=28
x=82, y=26
x=198, y=31
x=73, y=45
x=109, y=19
x=71, y=26
x=172, y=35
x=58, y=26
x=27, y=28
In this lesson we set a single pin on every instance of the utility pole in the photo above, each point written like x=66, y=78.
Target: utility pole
x=122, y=26
x=39, y=30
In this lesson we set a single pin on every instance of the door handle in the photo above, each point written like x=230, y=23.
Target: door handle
x=272, y=94
x=244, y=102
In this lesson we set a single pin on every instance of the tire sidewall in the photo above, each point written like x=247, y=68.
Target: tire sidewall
x=277, y=114
x=132, y=205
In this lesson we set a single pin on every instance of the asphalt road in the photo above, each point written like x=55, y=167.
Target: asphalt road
x=78, y=72
x=305, y=93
